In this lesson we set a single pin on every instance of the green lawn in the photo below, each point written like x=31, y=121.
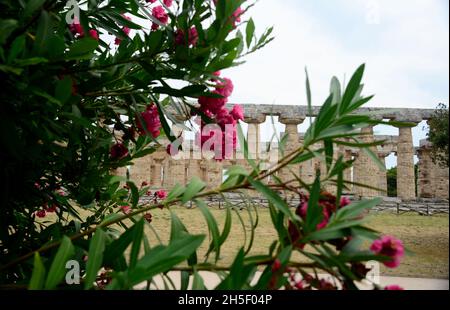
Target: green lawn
x=427, y=238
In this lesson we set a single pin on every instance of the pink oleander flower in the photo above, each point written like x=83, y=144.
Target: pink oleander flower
x=161, y=15
x=126, y=30
x=276, y=265
x=225, y=88
x=118, y=151
x=345, y=201
x=126, y=209
x=76, y=29
x=51, y=209
x=394, y=288
x=180, y=37
x=237, y=113
x=161, y=194
x=94, y=34
x=391, y=247
x=41, y=213
x=168, y=3
x=152, y=123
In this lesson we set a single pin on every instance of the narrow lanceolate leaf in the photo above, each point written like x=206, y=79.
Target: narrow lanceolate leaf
x=314, y=213
x=137, y=241
x=95, y=257
x=352, y=89
x=250, y=31
x=226, y=227
x=273, y=197
x=163, y=258
x=213, y=228
x=58, y=268
x=193, y=189
x=38, y=275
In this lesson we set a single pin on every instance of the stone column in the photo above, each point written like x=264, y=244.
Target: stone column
x=406, y=187
x=426, y=173
x=292, y=144
x=383, y=175
x=155, y=180
x=367, y=170
x=253, y=135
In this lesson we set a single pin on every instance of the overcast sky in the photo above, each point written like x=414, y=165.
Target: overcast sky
x=404, y=44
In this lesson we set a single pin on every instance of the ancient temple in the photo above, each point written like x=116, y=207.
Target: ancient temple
x=163, y=171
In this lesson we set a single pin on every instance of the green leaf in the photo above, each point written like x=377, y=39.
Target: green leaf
x=163, y=258
x=38, y=275
x=185, y=276
x=7, y=26
x=95, y=257
x=355, y=209
x=17, y=47
x=273, y=197
x=63, y=89
x=212, y=227
x=31, y=7
x=314, y=213
x=176, y=192
x=82, y=49
x=193, y=189
x=138, y=233
x=226, y=227
x=42, y=34
x=134, y=193
x=58, y=268
x=116, y=248
x=178, y=230
x=352, y=90
x=250, y=31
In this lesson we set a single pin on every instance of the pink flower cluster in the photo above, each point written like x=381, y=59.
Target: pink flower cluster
x=328, y=204
x=390, y=247
x=126, y=31
x=77, y=30
x=192, y=37
x=161, y=15
x=152, y=123
x=46, y=209
x=215, y=108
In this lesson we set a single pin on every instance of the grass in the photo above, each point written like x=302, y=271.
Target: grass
x=426, y=238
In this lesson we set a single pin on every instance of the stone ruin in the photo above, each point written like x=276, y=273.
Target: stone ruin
x=164, y=172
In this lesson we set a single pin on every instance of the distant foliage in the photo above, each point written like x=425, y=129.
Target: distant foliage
x=438, y=136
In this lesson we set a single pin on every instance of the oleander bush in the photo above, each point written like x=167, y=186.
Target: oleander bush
x=90, y=86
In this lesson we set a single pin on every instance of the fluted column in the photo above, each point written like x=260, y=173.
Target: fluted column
x=406, y=186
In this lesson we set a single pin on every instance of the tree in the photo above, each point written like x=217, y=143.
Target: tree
x=438, y=136
x=392, y=182
x=77, y=105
